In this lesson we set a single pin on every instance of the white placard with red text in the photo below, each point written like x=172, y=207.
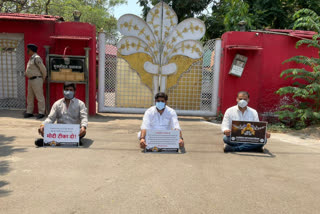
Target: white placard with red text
x=61, y=133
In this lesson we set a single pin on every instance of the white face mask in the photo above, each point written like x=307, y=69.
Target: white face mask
x=68, y=94
x=242, y=103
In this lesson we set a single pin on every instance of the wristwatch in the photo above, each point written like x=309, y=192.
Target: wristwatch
x=142, y=138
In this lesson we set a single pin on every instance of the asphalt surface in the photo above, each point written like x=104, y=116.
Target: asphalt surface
x=110, y=174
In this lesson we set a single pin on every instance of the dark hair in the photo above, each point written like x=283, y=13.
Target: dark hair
x=32, y=47
x=162, y=95
x=69, y=84
x=243, y=92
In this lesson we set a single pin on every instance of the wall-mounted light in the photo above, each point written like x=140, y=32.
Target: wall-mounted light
x=242, y=24
x=76, y=15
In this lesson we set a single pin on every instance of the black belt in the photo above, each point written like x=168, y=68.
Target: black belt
x=35, y=77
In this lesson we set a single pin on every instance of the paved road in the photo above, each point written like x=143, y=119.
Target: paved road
x=111, y=175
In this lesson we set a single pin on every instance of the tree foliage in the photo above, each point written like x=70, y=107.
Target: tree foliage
x=307, y=19
x=183, y=8
x=259, y=14
x=238, y=11
x=305, y=91
x=96, y=12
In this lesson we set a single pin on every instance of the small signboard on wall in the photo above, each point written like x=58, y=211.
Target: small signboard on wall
x=238, y=65
x=67, y=68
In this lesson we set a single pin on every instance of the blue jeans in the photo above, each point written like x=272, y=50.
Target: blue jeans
x=242, y=147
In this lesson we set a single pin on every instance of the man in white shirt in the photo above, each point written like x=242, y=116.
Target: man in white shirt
x=159, y=117
x=68, y=110
x=240, y=112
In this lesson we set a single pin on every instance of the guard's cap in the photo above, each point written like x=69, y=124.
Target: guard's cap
x=32, y=47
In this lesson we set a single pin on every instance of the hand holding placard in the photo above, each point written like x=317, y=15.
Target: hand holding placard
x=163, y=140
x=64, y=134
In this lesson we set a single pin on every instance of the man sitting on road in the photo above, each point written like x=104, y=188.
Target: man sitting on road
x=240, y=112
x=159, y=117
x=68, y=110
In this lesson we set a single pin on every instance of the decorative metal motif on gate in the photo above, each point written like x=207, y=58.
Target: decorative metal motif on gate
x=160, y=49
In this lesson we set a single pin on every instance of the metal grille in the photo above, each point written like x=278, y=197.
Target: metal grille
x=186, y=95
x=110, y=76
x=207, y=83
x=130, y=91
x=12, y=81
x=123, y=87
x=194, y=89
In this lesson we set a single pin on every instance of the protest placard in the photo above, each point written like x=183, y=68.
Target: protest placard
x=248, y=132
x=162, y=140
x=61, y=134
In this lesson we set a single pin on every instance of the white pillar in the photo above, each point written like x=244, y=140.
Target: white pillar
x=101, y=75
x=216, y=76
x=155, y=84
x=163, y=83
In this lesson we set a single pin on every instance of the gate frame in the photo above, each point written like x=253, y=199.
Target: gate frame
x=101, y=89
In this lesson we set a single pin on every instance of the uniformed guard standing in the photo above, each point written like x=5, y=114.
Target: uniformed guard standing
x=36, y=73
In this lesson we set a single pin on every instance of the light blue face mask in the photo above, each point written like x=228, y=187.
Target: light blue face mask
x=160, y=105
x=68, y=95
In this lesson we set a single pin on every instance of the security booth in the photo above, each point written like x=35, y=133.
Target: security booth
x=68, y=49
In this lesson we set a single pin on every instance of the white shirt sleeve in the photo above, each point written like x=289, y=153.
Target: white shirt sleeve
x=83, y=115
x=226, y=122
x=52, y=116
x=256, y=116
x=174, y=121
x=146, y=123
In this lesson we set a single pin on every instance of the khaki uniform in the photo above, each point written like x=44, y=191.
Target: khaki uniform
x=36, y=73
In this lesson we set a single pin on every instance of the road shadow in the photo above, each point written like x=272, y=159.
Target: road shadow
x=18, y=114
x=86, y=142
x=6, y=149
x=110, y=117
x=265, y=154
x=180, y=152
x=106, y=117
x=3, y=193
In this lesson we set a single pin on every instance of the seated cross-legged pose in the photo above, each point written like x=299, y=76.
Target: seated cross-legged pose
x=68, y=110
x=240, y=112
x=159, y=117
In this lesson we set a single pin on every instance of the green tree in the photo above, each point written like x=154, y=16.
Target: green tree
x=183, y=8
x=215, y=21
x=96, y=12
x=305, y=109
x=238, y=11
x=307, y=19
x=276, y=14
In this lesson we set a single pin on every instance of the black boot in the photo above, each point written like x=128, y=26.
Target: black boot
x=40, y=116
x=228, y=148
x=27, y=115
x=81, y=142
x=39, y=142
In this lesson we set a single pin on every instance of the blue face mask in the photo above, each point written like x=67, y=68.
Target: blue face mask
x=160, y=105
x=68, y=94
